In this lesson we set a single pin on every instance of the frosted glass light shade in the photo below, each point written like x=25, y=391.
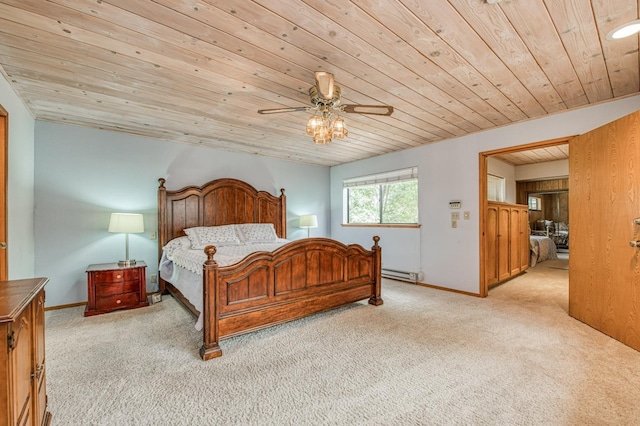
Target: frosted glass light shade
x=309, y=221
x=126, y=223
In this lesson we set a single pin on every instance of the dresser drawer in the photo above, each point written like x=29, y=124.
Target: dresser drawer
x=117, y=301
x=116, y=276
x=108, y=289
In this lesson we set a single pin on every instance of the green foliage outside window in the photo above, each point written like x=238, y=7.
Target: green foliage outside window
x=384, y=203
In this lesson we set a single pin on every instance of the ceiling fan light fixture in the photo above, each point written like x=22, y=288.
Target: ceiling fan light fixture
x=315, y=122
x=626, y=30
x=325, y=126
x=338, y=129
x=322, y=136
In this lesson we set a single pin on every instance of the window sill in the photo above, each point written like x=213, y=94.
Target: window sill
x=381, y=225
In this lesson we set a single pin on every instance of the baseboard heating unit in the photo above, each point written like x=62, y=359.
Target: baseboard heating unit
x=394, y=274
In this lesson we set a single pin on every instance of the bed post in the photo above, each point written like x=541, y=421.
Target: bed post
x=210, y=333
x=283, y=214
x=162, y=220
x=376, y=299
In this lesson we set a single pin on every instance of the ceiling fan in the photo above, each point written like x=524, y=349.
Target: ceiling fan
x=325, y=123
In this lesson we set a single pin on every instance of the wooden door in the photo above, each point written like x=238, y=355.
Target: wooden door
x=514, y=240
x=492, y=244
x=39, y=391
x=504, y=271
x=604, y=271
x=4, y=143
x=21, y=368
x=524, y=238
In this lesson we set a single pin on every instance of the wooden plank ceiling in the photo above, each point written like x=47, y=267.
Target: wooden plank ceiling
x=538, y=155
x=196, y=72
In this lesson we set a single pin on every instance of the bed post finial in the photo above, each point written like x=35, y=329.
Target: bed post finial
x=210, y=252
x=162, y=181
x=376, y=239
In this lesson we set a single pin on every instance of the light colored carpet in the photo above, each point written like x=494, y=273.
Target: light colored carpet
x=426, y=357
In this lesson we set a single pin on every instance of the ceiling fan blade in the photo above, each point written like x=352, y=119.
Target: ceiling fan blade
x=324, y=83
x=369, y=109
x=279, y=110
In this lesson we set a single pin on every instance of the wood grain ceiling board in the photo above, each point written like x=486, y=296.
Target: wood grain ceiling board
x=197, y=71
x=538, y=155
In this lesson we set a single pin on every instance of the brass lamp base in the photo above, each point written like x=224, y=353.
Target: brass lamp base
x=126, y=263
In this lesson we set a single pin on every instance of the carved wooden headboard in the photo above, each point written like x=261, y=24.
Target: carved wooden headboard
x=219, y=202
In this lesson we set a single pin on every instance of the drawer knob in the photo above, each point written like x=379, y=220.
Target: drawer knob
x=118, y=276
x=118, y=301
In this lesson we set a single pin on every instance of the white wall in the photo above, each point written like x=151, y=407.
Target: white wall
x=20, y=185
x=449, y=171
x=547, y=170
x=508, y=172
x=83, y=175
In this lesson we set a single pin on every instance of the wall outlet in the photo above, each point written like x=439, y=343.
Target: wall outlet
x=153, y=278
x=153, y=235
x=455, y=215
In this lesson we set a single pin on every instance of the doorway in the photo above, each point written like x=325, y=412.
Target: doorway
x=523, y=155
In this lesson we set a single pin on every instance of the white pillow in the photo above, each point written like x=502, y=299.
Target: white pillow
x=202, y=236
x=256, y=232
x=179, y=243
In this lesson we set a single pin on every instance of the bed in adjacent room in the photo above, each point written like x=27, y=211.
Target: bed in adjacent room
x=541, y=248
x=225, y=256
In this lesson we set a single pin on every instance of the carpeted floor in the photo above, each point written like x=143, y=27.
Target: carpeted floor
x=426, y=357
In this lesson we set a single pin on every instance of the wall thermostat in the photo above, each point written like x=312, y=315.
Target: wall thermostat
x=455, y=204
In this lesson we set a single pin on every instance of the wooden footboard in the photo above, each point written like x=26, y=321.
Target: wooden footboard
x=267, y=288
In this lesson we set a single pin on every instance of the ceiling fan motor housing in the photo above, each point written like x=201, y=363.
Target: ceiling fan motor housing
x=318, y=100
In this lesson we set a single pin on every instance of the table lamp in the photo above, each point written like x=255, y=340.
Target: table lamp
x=308, y=221
x=126, y=223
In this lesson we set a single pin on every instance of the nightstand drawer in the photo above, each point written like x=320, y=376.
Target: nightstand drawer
x=108, y=289
x=117, y=301
x=117, y=276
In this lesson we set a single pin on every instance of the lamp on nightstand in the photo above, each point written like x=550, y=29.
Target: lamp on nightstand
x=126, y=223
x=308, y=221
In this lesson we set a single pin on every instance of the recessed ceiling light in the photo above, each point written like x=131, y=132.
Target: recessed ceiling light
x=626, y=30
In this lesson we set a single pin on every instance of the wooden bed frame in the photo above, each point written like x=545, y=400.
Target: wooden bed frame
x=301, y=278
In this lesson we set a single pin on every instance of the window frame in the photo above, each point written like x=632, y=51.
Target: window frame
x=379, y=180
x=538, y=203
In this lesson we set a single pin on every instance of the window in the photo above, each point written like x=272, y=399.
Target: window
x=535, y=203
x=495, y=188
x=384, y=198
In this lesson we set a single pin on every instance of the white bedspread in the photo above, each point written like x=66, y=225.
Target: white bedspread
x=192, y=260
x=182, y=266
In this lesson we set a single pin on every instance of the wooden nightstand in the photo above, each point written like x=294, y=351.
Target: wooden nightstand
x=114, y=287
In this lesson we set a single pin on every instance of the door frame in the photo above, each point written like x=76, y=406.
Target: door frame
x=482, y=157
x=4, y=173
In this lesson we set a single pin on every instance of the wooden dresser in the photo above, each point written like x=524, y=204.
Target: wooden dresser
x=23, y=394
x=112, y=287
